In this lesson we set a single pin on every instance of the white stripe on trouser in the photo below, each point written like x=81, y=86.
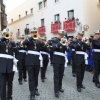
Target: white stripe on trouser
x=62, y=54
x=37, y=53
x=85, y=56
x=42, y=52
x=10, y=57
x=23, y=51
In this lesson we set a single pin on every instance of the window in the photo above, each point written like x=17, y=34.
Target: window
x=57, y=17
x=18, y=33
x=31, y=10
x=40, y=5
x=56, y=1
x=26, y=13
x=19, y=16
x=45, y=3
x=42, y=22
x=27, y=25
x=71, y=14
x=11, y=20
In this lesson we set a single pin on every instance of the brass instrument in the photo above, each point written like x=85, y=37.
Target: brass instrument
x=6, y=35
x=63, y=41
x=36, y=36
x=47, y=45
x=21, y=45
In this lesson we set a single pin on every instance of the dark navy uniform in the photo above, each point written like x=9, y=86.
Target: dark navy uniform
x=96, y=60
x=21, y=63
x=32, y=62
x=58, y=65
x=6, y=67
x=79, y=59
x=45, y=56
x=72, y=55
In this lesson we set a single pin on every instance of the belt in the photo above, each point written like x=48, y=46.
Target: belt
x=96, y=50
x=73, y=49
x=42, y=52
x=23, y=51
x=37, y=53
x=62, y=54
x=85, y=56
x=10, y=57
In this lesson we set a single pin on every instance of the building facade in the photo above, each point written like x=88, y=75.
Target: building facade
x=50, y=15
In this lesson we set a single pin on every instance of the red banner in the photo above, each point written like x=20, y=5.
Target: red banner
x=41, y=30
x=55, y=27
x=69, y=26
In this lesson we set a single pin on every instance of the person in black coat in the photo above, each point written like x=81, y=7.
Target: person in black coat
x=33, y=61
x=7, y=50
x=45, y=55
x=80, y=59
x=96, y=57
x=59, y=60
x=21, y=57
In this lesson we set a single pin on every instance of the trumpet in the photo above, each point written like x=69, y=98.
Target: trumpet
x=63, y=41
x=7, y=35
x=47, y=45
x=36, y=36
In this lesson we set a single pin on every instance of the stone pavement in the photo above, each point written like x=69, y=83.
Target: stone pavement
x=21, y=92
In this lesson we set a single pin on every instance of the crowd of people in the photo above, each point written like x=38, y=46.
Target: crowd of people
x=33, y=54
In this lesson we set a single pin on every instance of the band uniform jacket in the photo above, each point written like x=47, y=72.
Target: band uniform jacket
x=6, y=64
x=21, y=55
x=79, y=45
x=33, y=45
x=96, y=45
x=44, y=56
x=58, y=47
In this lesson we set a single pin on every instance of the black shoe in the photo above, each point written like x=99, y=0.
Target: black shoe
x=32, y=98
x=74, y=75
x=97, y=85
x=79, y=89
x=42, y=80
x=45, y=78
x=25, y=80
x=37, y=93
x=9, y=98
x=61, y=90
x=57, y=95
x=20, y=82
x=93, y=81
x=83, y=87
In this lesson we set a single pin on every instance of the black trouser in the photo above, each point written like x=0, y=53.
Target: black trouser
x=58, y=76
x=73, y=66
x=80, y=69
x=96, y=71
x=43, y=69
x=33, y=72
x=6, y=77
x=22, y=70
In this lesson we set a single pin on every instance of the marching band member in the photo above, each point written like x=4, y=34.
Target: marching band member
x=21, y=57
x=7, y=49
x=59, y=61
x=33, y=61
x=96, y=57
x=80, y=59
x=45, y=56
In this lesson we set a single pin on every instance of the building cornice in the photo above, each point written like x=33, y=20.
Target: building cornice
x=20, y=19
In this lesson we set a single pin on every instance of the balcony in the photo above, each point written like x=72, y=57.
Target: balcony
x=69, y=25
x=41, y=30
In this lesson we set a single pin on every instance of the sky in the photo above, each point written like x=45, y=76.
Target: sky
x=12, y=4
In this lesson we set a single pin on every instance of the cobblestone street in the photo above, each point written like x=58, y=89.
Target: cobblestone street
x=21, y=92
